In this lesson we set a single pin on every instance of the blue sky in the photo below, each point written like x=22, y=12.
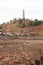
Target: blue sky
x=10, y=9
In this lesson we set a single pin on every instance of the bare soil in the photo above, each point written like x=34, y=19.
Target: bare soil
x=20, y=51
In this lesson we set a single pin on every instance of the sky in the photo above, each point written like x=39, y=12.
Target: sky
x=10, y=9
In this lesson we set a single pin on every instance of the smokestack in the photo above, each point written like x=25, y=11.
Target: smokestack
x=23, y=14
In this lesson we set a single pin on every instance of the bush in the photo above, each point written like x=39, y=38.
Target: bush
x=10, y=21
x=20, y=21
x=30, y=23
x=36, y=20
x=35, y=23
x=14, y=20
x=22, y=25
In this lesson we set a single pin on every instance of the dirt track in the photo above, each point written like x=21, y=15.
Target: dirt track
x=18, y=47
x=11, y=45
x=21, y=41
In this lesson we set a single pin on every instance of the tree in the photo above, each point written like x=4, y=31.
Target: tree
x=36, y=23
x=10, y=21
x=20, y=21
x=30, y=23
x=36, y=20
x=14, y=20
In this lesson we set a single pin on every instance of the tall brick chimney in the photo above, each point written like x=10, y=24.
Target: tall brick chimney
x=23, y=14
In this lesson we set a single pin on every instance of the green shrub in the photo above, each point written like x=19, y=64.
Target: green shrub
x=20, y=21
x=22, y=25
x=35, y=23
x=30, y=23
x=10, y=21
x=14, y=20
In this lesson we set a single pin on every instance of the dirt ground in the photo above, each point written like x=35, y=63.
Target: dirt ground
x=16, y=48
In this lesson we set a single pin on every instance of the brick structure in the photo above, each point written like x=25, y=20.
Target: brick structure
x=23, y=15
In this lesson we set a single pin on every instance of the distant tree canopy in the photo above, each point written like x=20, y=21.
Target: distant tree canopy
x=22, y=23
x=36, y=22
x=10, y=21
x=14, y=20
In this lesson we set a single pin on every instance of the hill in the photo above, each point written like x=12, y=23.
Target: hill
x=23, y=27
